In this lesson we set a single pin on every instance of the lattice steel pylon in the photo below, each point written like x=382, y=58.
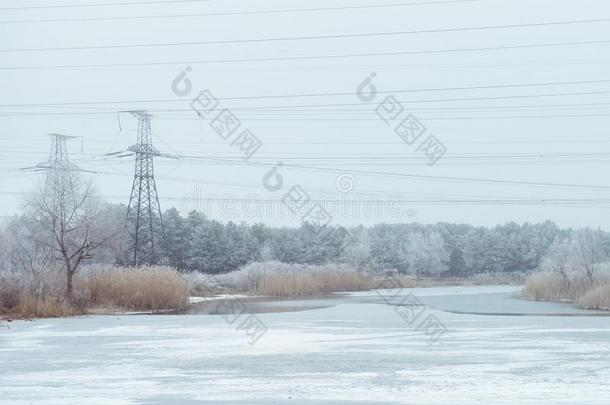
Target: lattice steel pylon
x=144, y=218
x=59, y=183
x=58, y=157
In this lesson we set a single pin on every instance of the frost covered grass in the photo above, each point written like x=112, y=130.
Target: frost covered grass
x=10, y=294
x=31, y=306
x=138, y=289
x=545, y=286
x=278, y=279
x=42, y=294
x=37, y=294
x=553, y=287
x=474, y=280
x=203, y=285
x=597, y=298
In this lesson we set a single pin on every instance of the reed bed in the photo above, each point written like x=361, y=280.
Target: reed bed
x=105, y=289
x=552, y=287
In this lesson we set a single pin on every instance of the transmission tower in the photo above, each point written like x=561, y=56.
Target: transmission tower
x=144, y=218
x=58, y=157
x=59, y=181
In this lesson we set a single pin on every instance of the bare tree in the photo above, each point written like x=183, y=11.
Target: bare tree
x=590, y=251
x=66, y=209
x=560, y=259
x=22, y=255
x=111, y=234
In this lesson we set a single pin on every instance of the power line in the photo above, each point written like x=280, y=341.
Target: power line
x=321, y=190
x=405, y=201
x=460, y=108
x=311, y=37
x=388, y=162
x=482, y=201
x=344, y=143
x=432, y=118
x=307, y=95
x=126, y=3
x=351, y=156
x=310, y=119
x=230, y=13
x=424, y=109
x=313, y=57
x=109, y=66
x=343, y=170
x=430, y=100
x=461, y=201
x=405, y=175
x=442, y=178
x=456, y=118
x=469, y=118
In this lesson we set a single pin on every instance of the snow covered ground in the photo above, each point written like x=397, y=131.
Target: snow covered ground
x=354, y=349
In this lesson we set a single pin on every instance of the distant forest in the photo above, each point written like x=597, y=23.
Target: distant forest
x=197, y=243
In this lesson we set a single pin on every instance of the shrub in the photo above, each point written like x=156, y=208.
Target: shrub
x=42, y=293
x=10, y=295
x=597, y=298
x=544, y=286
x=31, y=306
x=140, y=289
x=281, y=279
x=36, y=293
x=551, y=286
x=398, y=281
x=202, y=285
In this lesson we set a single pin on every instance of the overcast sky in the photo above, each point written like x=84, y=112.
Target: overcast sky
x=520, y=100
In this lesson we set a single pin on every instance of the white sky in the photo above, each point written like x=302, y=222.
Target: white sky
x=575, y=127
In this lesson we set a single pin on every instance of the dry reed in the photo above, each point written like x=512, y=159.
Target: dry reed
x=553, y=287
x=597, y=298
x=105, y=288
x=138, y=289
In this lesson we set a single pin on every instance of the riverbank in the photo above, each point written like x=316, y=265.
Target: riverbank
x=577, y=290
x=114, y=290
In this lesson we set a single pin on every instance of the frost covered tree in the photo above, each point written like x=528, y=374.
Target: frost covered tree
x=559, y=259
x=208, y=245
x=22, y=256
x=358, y=252
x=198, y=243
x=456, y=265
x=242, y=247
x=453, y=236
x=426, y=254
x=539, y=238
x=388, y=247
x=66, y=211
x=320, y=244
x=484, y=251
x=110, y=227
x=177, y=235
x=589, y=247
x=261, y=237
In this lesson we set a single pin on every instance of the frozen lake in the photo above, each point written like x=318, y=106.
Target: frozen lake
x=360, y=348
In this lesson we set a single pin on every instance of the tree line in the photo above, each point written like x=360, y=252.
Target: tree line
x=197, y=243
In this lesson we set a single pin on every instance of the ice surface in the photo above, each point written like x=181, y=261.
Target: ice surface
x=356, y=349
